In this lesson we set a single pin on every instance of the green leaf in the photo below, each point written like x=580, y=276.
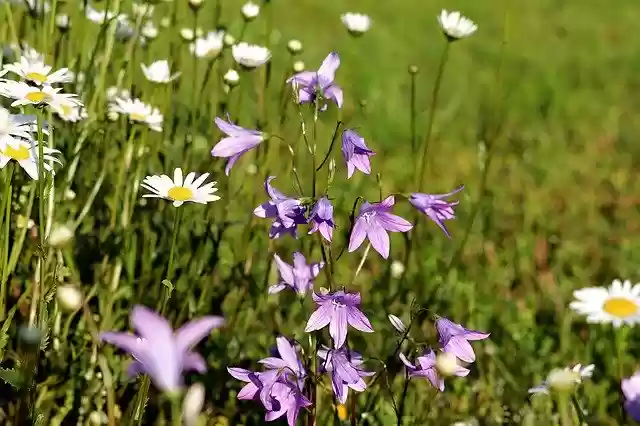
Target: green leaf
x=169, y=286
x=12, y=377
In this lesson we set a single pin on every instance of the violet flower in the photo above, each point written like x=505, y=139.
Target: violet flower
x=298, y=276
x=314, y=84
x=289, y=400
x=288, y=212
x=346, y=371
x=337, y=310
x=631, y=391
x=158, y=351
x=321, y=218
x=426, y=367
x=356, y=153
x=455, y=339
x=238, y=141
x=435, y=207
x=373, y=222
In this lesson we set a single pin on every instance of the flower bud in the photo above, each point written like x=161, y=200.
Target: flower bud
x=62, y=22
x=69, y=297
x=397, y=269
x=563, y=380
x=187, y=34
x=195, y=4
x=298, y=66
x=165, y=22
x=413, y=69
x=397, y=323
x=61, y=236
x=192, y=404
x=446, y=364
x=294, y=46
x=231, y=77
x=252, y=169
x=69, y=195
x=228, y=40
x=250, y=11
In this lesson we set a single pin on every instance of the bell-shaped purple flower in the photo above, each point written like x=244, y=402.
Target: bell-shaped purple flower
x=314, y=84
x=289, y=400
x=288, y=212
x=345, y=368
x=631, y=391
x=337, y=310
x=373, y=222
x=321, y=218
x=426, y=367
x=158, y=351
x=298, y=276
x=356, y=153
x=238, y=141
x=455, y=339
x=436, y=207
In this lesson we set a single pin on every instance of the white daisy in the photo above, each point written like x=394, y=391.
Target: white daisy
x=142, y=9
x=250, y=55
x=99, y=16
x=159, y=72
x=149, y=30
x=573, y=375
x=356, y=23
x=231, y=77
x=37, y=72
x=24, y=94
x=180, y=191
x=139, y=112
x=31, y=54
x=250, y=11
x=71, y=112
x=208, y=46
x=15, y=126
x=456, y=26
x=26, y=155
x=620, y=304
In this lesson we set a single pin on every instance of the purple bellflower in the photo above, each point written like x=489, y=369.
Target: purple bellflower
x=314, y=84
x=426, y=367
x=321, y=218
x=158, y=351
x=238, y=141
x=435, y=207
x=289, y=400
x=455, y=339
x=356, y=153
x=298, y=276
x=288, y=212
x=631, y=391
x=346, y=371
x=337, y=310
x=373, y=222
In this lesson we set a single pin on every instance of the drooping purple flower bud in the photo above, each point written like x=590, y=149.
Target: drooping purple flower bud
x=321, y=218
x=435, y=207
x=455, y=339
x=356, y=153
x=426, y=367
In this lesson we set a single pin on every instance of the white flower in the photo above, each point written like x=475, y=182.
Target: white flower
x=26, y=155
x=25, y=94
x=356, y=23
x=619, y=304
x=249, y=55
x=69, y=297
x=97, y=16
x=568, y=377
x=294, y=46
x=180, y=191
x=142, y=9
x=149, y=30
x=208, y=46
x=447, y=364
x=456, y=26
x=228, y=40
x=71, y=112
x=138, y=111
x=115, y=92
x=15, y=126
x=159, y=72
x=231, y=77
x=196, y=3
x=37, y=72
x=397, y=269
x=62, y=21
x=192, y=404
x=60, y=236
x=250, y=11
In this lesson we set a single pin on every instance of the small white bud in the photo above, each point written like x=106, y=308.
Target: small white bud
x=192, y=404
x=187, y=34
x=397, y=269
x=446, y=364
x=252, y=169
x=61, y=236
x=294, y=46
x=165, y=22
x=397, y=323
x=195, y=4
x=69, y=297
x=228, y=40
x=62, y=22
x=97, y=418
x=298, y=66
x=231, y=77
x=69, y=195
x=563, y=380
x=250, y=11
x=112, y=116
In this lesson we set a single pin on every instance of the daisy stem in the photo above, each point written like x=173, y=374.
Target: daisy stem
x=38, y=290
x=361, y=264
x=126, y=163
x=563, y=410
x=579, y=412
x=5, y=219
x=174, y=241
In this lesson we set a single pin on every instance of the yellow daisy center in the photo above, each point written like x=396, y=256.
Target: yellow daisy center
x=180, y=193
x=18, y=154
x=137, y=116
x=36, y=76
x=620, y=307
x=37, y=97
x=66, y=110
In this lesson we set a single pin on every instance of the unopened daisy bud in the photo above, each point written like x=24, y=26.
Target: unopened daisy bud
x=294, y=46
x=69, y=297
x=195, y=4
x=563, y=380
x=61, y=236
x=187, y=34
x=413, y=69
x=250, y=11
x=192, y=404
x=231, y=77
x=165, y=22
x=397, y=323
x=112, y=116
x=446, y=364
x=228, y=40
x=69, y=195
x=397, y=269
x=298, y=66
x=252, y=169
x=62, y=22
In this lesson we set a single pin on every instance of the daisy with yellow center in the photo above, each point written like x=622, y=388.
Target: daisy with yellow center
x=38, y=73
x=138, y=111
x=618, y=305
x=26, y=155
x=15, y=127
x=25, y=94
x=181, y=190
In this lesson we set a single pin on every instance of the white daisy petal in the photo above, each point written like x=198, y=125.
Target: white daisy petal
x=179, y=190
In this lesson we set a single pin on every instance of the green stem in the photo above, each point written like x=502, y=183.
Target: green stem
x=563, y=409
x=176, y=411
x=5, y=219
x=579, y=412
x=174, y=243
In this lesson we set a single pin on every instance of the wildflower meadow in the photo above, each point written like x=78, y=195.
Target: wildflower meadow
x=310, y=213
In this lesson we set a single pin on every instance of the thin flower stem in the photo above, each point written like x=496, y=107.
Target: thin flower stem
x=333, y=140
x=124, y=166
x=579, y=412
x=174, y=242
x=5, y=219
x=413, y=109
x=39, y=282
x=563, y=409
x=176, y=412
x=400, y=412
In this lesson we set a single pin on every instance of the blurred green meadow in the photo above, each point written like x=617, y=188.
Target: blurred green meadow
x=537, y=117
